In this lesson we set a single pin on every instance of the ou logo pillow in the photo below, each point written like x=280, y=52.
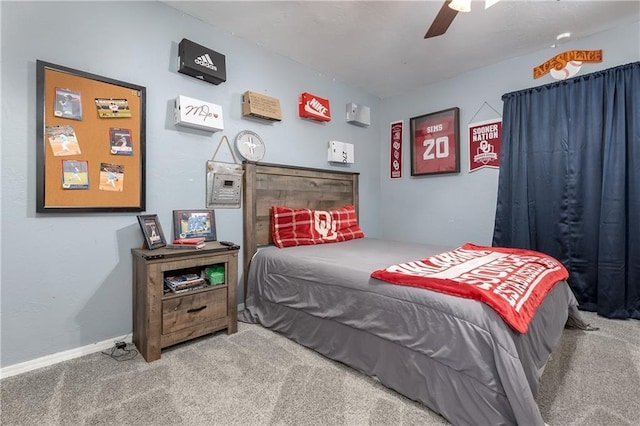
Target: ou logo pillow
x=303, y=226
x=324, y=225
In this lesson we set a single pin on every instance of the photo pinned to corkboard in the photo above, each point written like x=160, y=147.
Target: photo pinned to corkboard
x=120, y=141
x=90, y=136
x=68, y=104
x=113, y=108
x=63, y=140
x=111, y=177
x=75, y=174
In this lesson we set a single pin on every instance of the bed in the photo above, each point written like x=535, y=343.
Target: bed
x=455, y=355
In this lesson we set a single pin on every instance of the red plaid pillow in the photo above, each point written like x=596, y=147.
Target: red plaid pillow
x=295, y=227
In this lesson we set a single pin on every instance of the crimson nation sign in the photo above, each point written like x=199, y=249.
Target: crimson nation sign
x=484, y=144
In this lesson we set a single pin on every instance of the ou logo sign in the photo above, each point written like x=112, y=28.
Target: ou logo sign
x=324, y=225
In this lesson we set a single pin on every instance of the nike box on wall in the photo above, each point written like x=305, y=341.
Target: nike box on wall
x=201, y=62
x=313, y=107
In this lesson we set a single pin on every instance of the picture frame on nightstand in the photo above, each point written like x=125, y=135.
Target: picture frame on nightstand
x=152, y=231
x=194, y=224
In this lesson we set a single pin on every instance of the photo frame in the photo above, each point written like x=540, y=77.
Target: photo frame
x=152, y=231
x=435, y=143
x=194, y=224
x=69, y=127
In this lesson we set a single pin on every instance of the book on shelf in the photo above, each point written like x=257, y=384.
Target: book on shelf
x=193, y=241
x=182, y=278
x=168, y=289
x=181, y=289
x=186, y=284
x=180, y=282
x=186, y=246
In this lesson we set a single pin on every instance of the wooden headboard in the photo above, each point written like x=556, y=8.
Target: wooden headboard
x=267, y=185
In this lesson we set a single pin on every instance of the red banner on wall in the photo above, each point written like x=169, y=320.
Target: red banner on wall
x=396, y=150
x=484, y=144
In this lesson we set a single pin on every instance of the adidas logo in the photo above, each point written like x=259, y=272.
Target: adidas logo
x=205, y=61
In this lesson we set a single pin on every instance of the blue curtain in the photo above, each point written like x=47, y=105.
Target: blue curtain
x=569, y=183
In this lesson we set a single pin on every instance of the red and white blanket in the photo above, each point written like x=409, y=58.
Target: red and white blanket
x=512, y=281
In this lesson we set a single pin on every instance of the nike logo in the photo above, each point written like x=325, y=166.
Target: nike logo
x=316, y=108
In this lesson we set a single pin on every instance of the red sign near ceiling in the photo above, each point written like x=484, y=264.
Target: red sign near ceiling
x=314, y=107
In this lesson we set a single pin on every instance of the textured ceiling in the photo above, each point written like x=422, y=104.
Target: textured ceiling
x=378, y=46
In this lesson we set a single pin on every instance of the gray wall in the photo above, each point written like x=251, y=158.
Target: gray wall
x=459, y=208
x=66, y=278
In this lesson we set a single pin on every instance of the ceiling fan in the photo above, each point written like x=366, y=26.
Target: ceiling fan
x=448, y=12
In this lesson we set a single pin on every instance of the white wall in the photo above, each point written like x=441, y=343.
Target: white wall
x=66, y=278
x=458, y=208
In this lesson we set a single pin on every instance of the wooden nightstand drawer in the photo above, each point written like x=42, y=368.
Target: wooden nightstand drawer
x=164, y=319
x=191, y=310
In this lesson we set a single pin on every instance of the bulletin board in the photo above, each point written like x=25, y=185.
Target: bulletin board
x=90, y=142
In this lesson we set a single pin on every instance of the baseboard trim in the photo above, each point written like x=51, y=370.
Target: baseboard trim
x=47, y=360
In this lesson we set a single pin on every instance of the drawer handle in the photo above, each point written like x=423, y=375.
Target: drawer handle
x=191, y=311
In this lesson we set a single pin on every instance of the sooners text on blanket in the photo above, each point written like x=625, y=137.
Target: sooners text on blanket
x=512, y=281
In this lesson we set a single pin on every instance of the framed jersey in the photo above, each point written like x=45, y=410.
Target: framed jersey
x=435, y=143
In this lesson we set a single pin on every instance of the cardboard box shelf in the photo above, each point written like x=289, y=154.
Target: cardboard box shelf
x=260, y=106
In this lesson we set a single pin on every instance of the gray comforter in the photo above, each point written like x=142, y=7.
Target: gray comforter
x=455, y=355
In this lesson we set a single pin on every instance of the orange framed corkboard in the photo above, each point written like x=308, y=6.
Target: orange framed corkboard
x=90, y=142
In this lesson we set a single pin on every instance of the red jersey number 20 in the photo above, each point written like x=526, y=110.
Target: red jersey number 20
x=436, y=148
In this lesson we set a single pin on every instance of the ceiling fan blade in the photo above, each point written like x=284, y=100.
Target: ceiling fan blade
x=444, y=18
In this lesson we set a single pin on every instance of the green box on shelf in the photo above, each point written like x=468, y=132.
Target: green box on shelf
x=215, y=274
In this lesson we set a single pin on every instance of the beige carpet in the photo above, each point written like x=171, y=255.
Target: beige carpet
x=257, y=377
